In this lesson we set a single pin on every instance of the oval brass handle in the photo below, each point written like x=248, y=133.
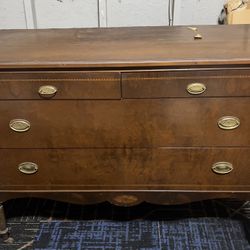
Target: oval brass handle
x=222, y=167
x=228, y=122
x=19, y=125
x=196, y=88
x=47, y=91
x=28, y=167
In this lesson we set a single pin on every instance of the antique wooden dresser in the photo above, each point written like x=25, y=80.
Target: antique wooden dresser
x=125, y=115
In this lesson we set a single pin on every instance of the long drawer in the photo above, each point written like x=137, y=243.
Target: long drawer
x=125, y=123
x=60, y=85
x=125, y=169
x=186, y=83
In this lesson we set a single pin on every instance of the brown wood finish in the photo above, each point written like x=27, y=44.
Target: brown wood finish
x=126, y=169
x=70, y=85
x=165, y=198
x=219, y=83
x=125, y=47
x=122, y=126
x=126, y=123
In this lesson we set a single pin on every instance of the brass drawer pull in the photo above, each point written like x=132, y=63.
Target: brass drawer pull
x=196, y=88
x=19, y=125
x=222, y=167
x=47, y=91
x=28, y=167
x=229, y=122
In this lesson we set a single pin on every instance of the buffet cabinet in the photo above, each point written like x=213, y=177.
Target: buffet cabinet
x=124, y=115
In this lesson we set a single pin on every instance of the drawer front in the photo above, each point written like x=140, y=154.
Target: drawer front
x=126, y=123
x=126, y=169
x=60, y=167
x=216, y=83
x=62, y=85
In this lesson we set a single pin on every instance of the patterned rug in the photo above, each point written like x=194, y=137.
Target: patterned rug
x=46, y=224
x=193, y=234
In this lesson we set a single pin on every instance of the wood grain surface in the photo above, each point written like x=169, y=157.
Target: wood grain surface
x=164, y=84
x=69, y=85
x=126, y=169
x=125, y=123
x=125, y=47
x=122, y=126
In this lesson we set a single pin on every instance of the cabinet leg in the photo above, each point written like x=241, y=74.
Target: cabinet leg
x=4, y=231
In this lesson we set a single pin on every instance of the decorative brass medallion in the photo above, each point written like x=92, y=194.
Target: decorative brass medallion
x=19, y=125
x=228, y=122
x=196, y=88
x=125, y=200
x=28, y=167
x=222, y=167
x=47, y=91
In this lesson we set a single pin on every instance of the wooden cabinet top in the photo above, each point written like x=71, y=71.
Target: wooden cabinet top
x=120, y=48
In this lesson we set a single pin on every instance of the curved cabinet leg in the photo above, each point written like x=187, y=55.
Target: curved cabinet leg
x=4, y=231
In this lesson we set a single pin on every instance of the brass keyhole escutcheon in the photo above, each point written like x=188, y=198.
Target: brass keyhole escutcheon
x=196, y=88
x=19, y=125
x=229, y=122
x=28, y=167
x=222, y=167
x=47, y=91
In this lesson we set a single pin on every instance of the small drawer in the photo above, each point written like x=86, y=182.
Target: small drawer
x=60, y=85
x=194, y=83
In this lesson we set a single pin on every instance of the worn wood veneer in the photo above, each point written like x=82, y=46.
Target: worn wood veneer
x=125, y=47
x=125, y=123
x=125, y=169
x=163, y=84
x=70, y=85
x=122, y=123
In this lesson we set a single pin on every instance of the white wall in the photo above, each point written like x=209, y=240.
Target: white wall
x=137, y=12
x=68, y=13
x=104, y=13
x=197, y=11
x=12, y=14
